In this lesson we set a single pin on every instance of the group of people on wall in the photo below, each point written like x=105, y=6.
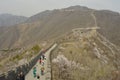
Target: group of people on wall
x=41, y=62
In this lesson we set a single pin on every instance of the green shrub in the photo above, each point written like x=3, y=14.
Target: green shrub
x=36, y=48
x=1, y=65
x=17, y=57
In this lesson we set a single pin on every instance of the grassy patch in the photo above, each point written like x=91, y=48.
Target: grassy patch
x=1, y=65
x=36, y=48
x=17, y=57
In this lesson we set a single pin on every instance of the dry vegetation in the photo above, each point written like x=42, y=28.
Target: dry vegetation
x=85, y=59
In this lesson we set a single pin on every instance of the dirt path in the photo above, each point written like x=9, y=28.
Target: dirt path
x=95, y=20
x=47, y=66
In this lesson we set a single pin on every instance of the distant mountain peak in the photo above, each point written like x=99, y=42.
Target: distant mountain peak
x=10, y=19
x=77, y=7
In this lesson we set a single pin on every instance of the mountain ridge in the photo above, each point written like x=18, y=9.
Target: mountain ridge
x=50, y=24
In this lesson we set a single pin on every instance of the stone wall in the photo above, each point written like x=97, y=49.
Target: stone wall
x=11, y=75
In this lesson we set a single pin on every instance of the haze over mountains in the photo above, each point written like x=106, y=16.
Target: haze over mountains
x=10, y=20
x=50, y=24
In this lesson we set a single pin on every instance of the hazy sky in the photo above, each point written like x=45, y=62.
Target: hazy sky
x=31, y=7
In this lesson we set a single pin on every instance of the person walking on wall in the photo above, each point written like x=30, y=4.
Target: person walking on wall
x=34, y=72
x=43, y=56
x=22, y=76
x=18, y=77
x=42, y=70
x=40, y=60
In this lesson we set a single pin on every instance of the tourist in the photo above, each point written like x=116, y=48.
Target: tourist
x=42, y=70
x=18, y=77
x=22, y=76
x=34, y=72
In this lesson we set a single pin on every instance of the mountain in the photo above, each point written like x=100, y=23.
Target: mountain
x=50, y=24
x=10, y=20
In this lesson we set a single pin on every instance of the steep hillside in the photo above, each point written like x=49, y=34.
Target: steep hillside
x=110, y=24
x=10, y=20
x=51, y=24
x=9, y=37
x=86, y=56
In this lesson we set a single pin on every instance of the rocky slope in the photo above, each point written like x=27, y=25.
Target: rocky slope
x=87, y=56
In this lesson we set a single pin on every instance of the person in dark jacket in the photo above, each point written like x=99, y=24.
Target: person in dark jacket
x=22, y=76
x=40, y=61
x=43, y=56
x=38, y=77
x=18, y=77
